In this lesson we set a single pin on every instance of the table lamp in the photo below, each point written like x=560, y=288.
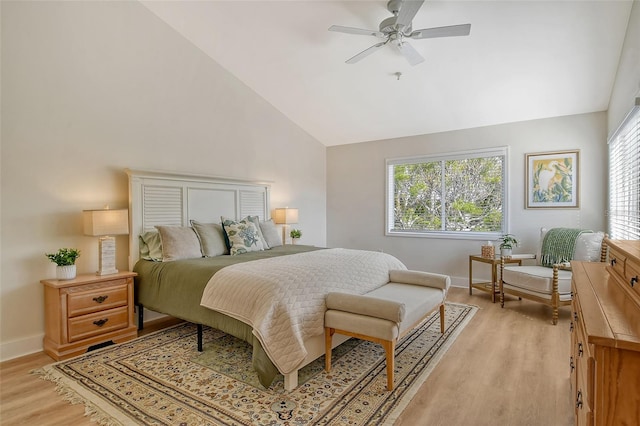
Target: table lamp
x=105, y=224
x=285, y=216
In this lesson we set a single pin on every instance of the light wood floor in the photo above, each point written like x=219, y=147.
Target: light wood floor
x=508, y=367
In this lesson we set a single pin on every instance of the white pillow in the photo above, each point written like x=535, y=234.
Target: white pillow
x=588, y=246
x=270, y=233
x=211, y=236
x=179, y=242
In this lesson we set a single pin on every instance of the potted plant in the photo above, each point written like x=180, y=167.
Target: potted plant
x=507, y=243
x=65, y=259
x=295, y=234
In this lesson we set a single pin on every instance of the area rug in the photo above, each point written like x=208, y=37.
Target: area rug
x=161, y=379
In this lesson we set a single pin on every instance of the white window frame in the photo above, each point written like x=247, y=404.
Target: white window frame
x=623, y=207
x=502, y=151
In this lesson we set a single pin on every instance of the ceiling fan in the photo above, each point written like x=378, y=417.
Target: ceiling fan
x=397, y=29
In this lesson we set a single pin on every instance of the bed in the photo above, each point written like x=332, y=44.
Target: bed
x=170, y=201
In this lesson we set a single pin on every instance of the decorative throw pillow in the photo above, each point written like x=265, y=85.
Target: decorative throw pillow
x=242, y=235
x=588, y=246
x=256, y=222
x=179, y=242
x=151, y=246
x=211, y=238
x=270, y=233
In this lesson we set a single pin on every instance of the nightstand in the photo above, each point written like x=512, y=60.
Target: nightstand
x=493, y=285
x=87, y=312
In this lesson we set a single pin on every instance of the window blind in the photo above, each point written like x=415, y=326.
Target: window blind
x=624, y=178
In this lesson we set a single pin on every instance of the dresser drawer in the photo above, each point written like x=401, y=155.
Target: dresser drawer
x=632, y=276
x=87, y=299
x=86, y=326
x=584, y=415
x=617, y=261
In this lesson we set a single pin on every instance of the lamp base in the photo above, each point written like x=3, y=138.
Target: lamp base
x=107, y=256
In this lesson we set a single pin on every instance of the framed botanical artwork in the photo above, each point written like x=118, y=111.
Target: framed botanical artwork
x=552, y=180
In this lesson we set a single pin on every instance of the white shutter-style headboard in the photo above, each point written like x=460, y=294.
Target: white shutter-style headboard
x=159, y=198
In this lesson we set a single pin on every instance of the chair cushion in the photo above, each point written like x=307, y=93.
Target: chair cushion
x=361, y=324
x=538, y=279
x=417, y=299
x=366, y=305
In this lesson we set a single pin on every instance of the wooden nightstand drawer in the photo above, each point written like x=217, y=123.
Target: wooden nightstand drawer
x=84, y=300
x=98, y=323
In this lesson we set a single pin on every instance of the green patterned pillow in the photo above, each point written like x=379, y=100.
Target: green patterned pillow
x=243, y=236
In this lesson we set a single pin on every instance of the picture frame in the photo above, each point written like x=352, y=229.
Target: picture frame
x=552, y=180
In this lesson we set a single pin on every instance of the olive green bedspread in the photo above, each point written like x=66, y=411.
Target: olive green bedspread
x=175, y=288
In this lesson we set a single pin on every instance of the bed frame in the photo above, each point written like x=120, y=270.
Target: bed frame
x=161, y=198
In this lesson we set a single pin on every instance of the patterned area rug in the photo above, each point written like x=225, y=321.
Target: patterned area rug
x=161, y=379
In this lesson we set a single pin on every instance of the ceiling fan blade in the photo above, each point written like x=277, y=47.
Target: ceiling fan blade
x=365, y=53
x=408, y=10
x=409, y=53
x=358, y=31
x=448, y=31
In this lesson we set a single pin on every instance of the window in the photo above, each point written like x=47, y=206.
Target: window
x=624, y=178
x=459, y=195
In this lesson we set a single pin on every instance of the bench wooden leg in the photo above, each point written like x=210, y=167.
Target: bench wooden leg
x=390, y=348
x=328, y=334
x=442, y=318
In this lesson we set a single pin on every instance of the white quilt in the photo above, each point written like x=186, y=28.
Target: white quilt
x=282, y=298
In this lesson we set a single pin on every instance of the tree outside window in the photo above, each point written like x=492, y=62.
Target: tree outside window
x=453, y=194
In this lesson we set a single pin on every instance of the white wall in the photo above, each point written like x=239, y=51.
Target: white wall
x=90, y=88
x=356, y=188
x=627, y=85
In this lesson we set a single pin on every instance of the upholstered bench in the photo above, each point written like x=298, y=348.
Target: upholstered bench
x=387, y=313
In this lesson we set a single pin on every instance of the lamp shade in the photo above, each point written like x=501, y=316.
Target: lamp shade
x=106, y=222
x=285, y=216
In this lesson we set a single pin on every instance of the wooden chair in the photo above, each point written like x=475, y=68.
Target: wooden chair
x=551, y=285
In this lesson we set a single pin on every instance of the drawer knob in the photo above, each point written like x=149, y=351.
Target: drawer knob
x=580, y=351
x=634, y=281
x=613, y=262
x=575, y=316
x=571, y=326
x=579, y=400
x=571, y=364
x=101, y=322
x=100, y=299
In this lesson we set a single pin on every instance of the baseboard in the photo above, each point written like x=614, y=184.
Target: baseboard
x=33, y=344
x=462, y=282
x=21, y=347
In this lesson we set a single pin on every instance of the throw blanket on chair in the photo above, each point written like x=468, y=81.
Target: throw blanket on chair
x=558, y=245
x=283, y=298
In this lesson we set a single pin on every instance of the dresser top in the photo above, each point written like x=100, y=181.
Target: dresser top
x=631, y=248
x=611, y=317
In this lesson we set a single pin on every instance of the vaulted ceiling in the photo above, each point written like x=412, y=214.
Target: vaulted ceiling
x=523, y=60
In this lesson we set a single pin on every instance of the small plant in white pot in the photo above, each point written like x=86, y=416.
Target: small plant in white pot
x=65, y=258
x=507, y=243
x=295, y=234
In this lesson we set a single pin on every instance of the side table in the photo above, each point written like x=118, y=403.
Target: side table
x=87, y=312
x=492, y=286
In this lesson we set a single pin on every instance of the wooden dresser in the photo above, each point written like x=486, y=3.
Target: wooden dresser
x=605, y=334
